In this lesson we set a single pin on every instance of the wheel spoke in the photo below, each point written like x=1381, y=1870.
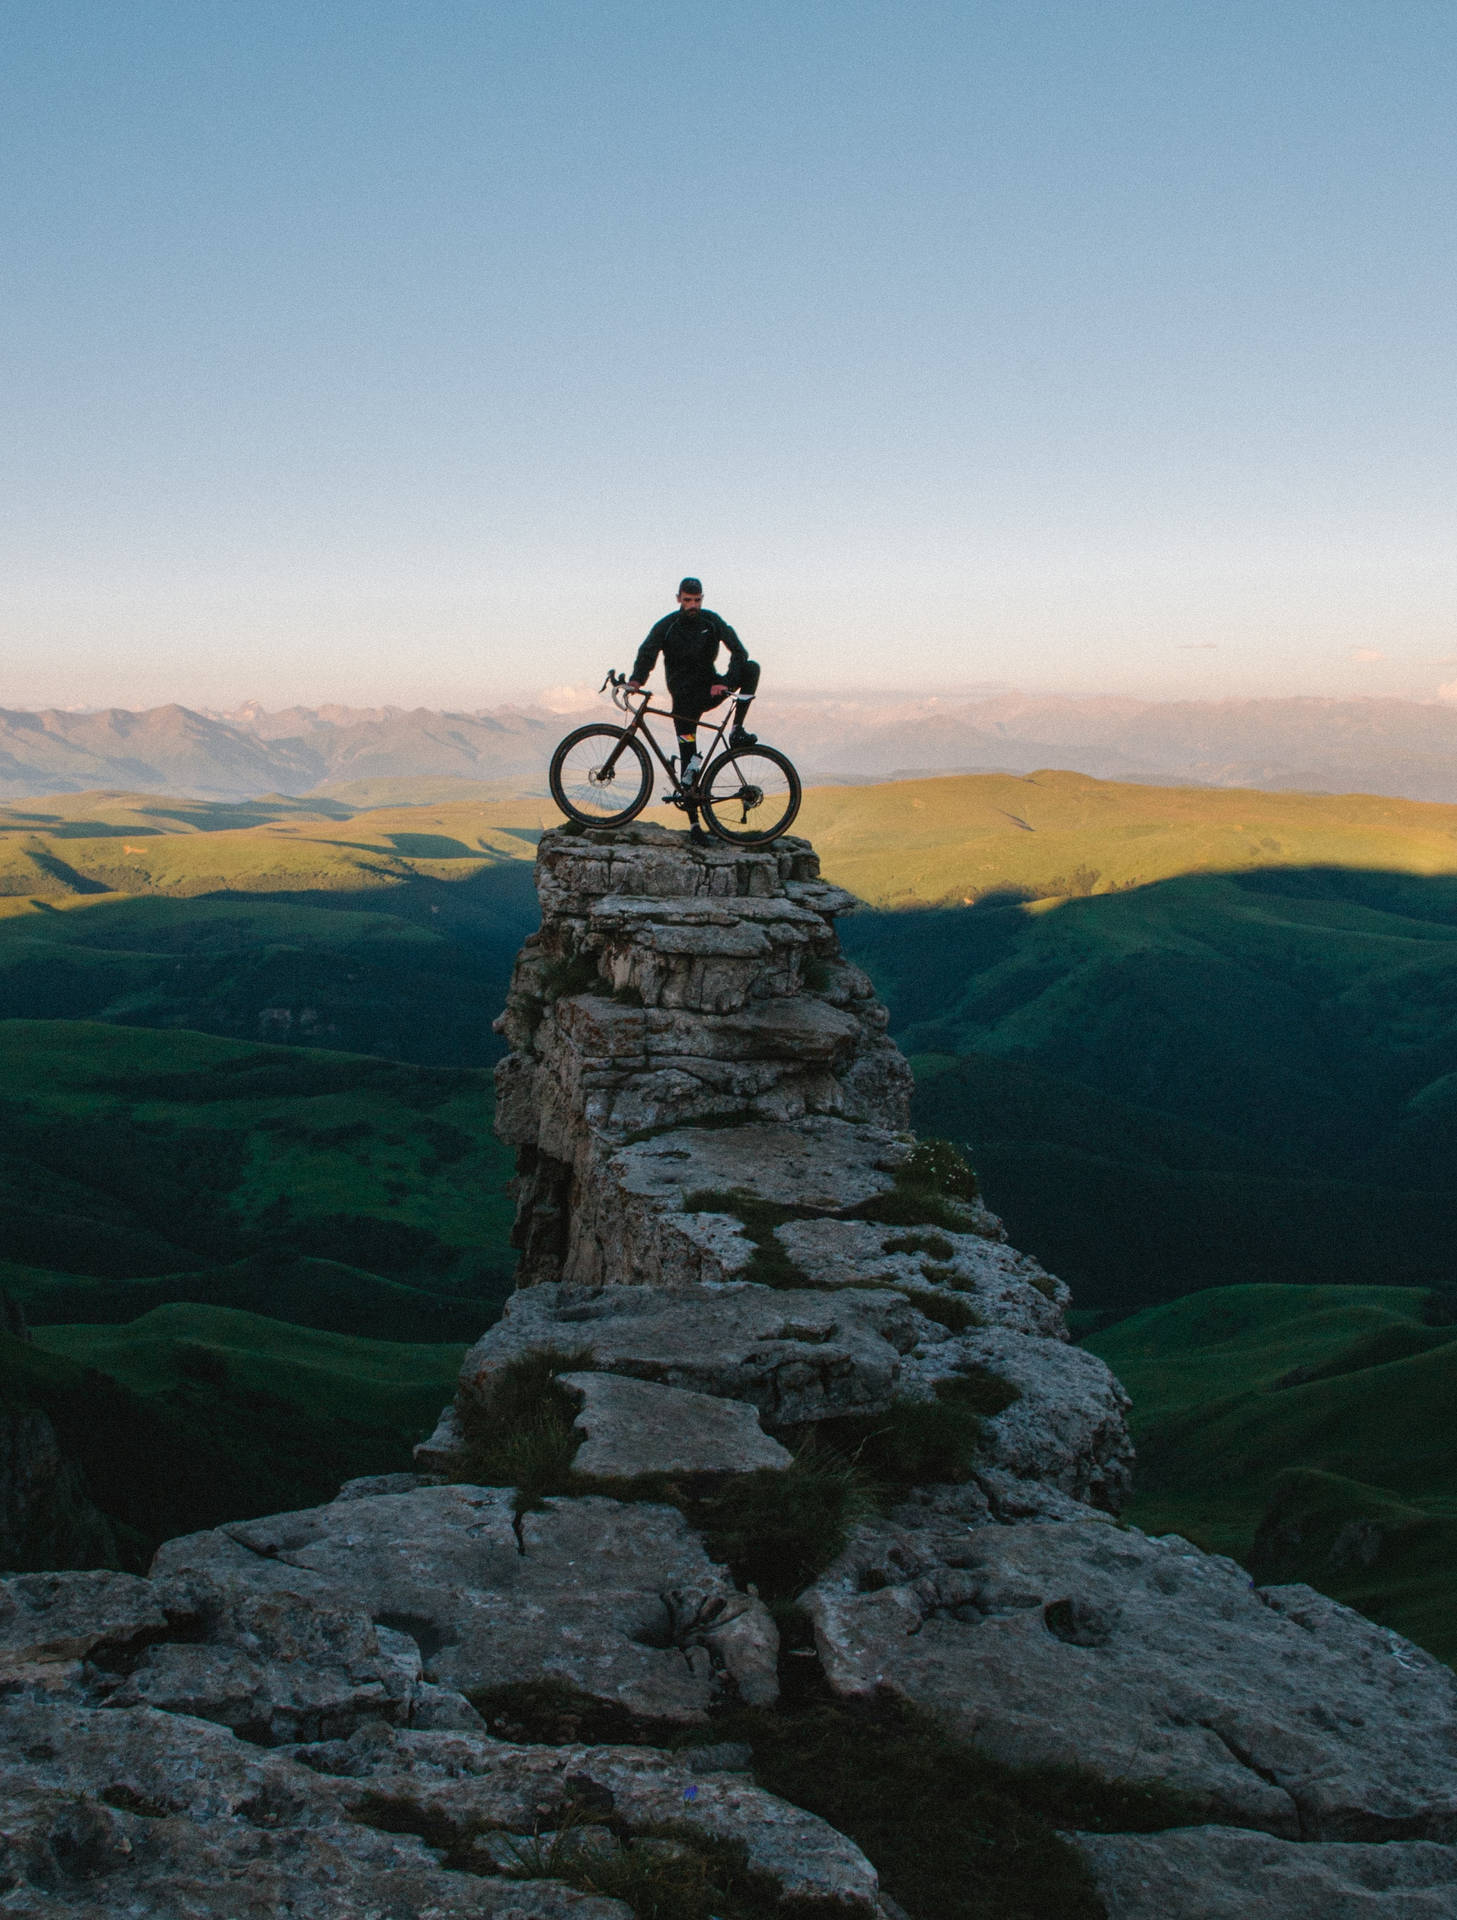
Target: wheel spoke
x=598, y=777
x=751, y=796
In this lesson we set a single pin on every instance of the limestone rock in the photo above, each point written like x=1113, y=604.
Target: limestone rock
x=632, y=1218
x=127, y=1812
x=795, y=1356
x=588, y=1592
x=1003, y=1287
x=1229, y=1873
x=458, y=1786
x=822, y=1164
x=53, y=1617
x=1067, y=1428
x=1144, y=1661
x=670, y=984
x=276, y=1666
x=633, y=1427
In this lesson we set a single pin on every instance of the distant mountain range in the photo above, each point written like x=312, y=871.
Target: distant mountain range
x=1398, y=747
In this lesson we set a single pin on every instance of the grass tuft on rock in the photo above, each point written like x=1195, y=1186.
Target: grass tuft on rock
x=934, y=1244
x=947, y=1309
x=954, y=1836
x=770, y=1265
x=934, y=1187
x=523, y=1436
x=779, y=1530
x=676, y=1872
x=916, y=1442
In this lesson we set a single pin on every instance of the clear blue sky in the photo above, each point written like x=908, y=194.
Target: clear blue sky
x=363, y=351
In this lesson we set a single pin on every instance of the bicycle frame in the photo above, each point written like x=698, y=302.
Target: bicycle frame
x=622, y=700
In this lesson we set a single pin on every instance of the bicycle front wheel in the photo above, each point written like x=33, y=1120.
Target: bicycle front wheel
x=599, y=777
x=750, y=796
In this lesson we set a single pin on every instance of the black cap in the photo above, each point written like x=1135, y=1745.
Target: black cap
x=690, y=585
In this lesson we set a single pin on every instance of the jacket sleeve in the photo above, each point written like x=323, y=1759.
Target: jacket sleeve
x=738, y=652
x=647, y=654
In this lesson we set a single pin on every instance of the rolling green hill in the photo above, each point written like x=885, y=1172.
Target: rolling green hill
x=1206, y=1077
x=1310, y=1432
x=130, y=1154
x=193, y=1416
x=954, y=841
x=390, y=931
x=391, y=1386
x=242, y=1084
x=250, y=1271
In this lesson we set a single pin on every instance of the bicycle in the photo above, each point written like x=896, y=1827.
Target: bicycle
x=600, y=776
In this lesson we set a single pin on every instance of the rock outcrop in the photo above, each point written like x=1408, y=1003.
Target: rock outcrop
x=493, y=1686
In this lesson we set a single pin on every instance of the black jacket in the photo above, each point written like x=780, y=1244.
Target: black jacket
x=689, y=644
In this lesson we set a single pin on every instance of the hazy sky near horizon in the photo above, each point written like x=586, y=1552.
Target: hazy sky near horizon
x=370, y=350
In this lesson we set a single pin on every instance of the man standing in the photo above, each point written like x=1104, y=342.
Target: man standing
x=689, y=641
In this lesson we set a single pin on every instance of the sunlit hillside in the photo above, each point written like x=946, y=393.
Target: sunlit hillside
x=73, y=846
x=949, y=842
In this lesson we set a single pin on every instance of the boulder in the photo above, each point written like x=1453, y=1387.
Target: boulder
x=1002, y=1287
x=128, y=1812
x=1067, y=1428
x=1146, y=1663
x=632, y=1427
x=617, y=1600
x=56, y=1617
x=795, y=1356
x=459, y=1788
x=1229, y=1873
x=275, y=1666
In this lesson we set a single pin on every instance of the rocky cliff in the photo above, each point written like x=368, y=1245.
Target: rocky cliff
x=778, y=1434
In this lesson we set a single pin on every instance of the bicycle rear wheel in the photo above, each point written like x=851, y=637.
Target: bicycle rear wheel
x=599, y=777
x=750, y=796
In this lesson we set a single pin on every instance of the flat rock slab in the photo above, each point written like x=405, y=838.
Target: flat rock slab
x=457, y=1786
x=1147, y=1663
x=634, y=1427
x=574, y=870
x=129, y=1812
x=1225, y=1873
x=822, y=1163
x=54, y=1617
x=1004, y=1287
x=618, y=1600
x=798, y=1030
x=793, y=1355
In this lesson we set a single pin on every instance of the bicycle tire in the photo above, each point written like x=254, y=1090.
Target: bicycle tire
x=730, y=783
x=574, y=774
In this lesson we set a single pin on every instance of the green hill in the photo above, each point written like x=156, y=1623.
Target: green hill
x=242, y=1074
x=130, y=1156
x=1246, y=1075
x=389, y=931
x=397, y=1389
x=1310, y=1432
x=1052, y=835
x=193, y=1416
